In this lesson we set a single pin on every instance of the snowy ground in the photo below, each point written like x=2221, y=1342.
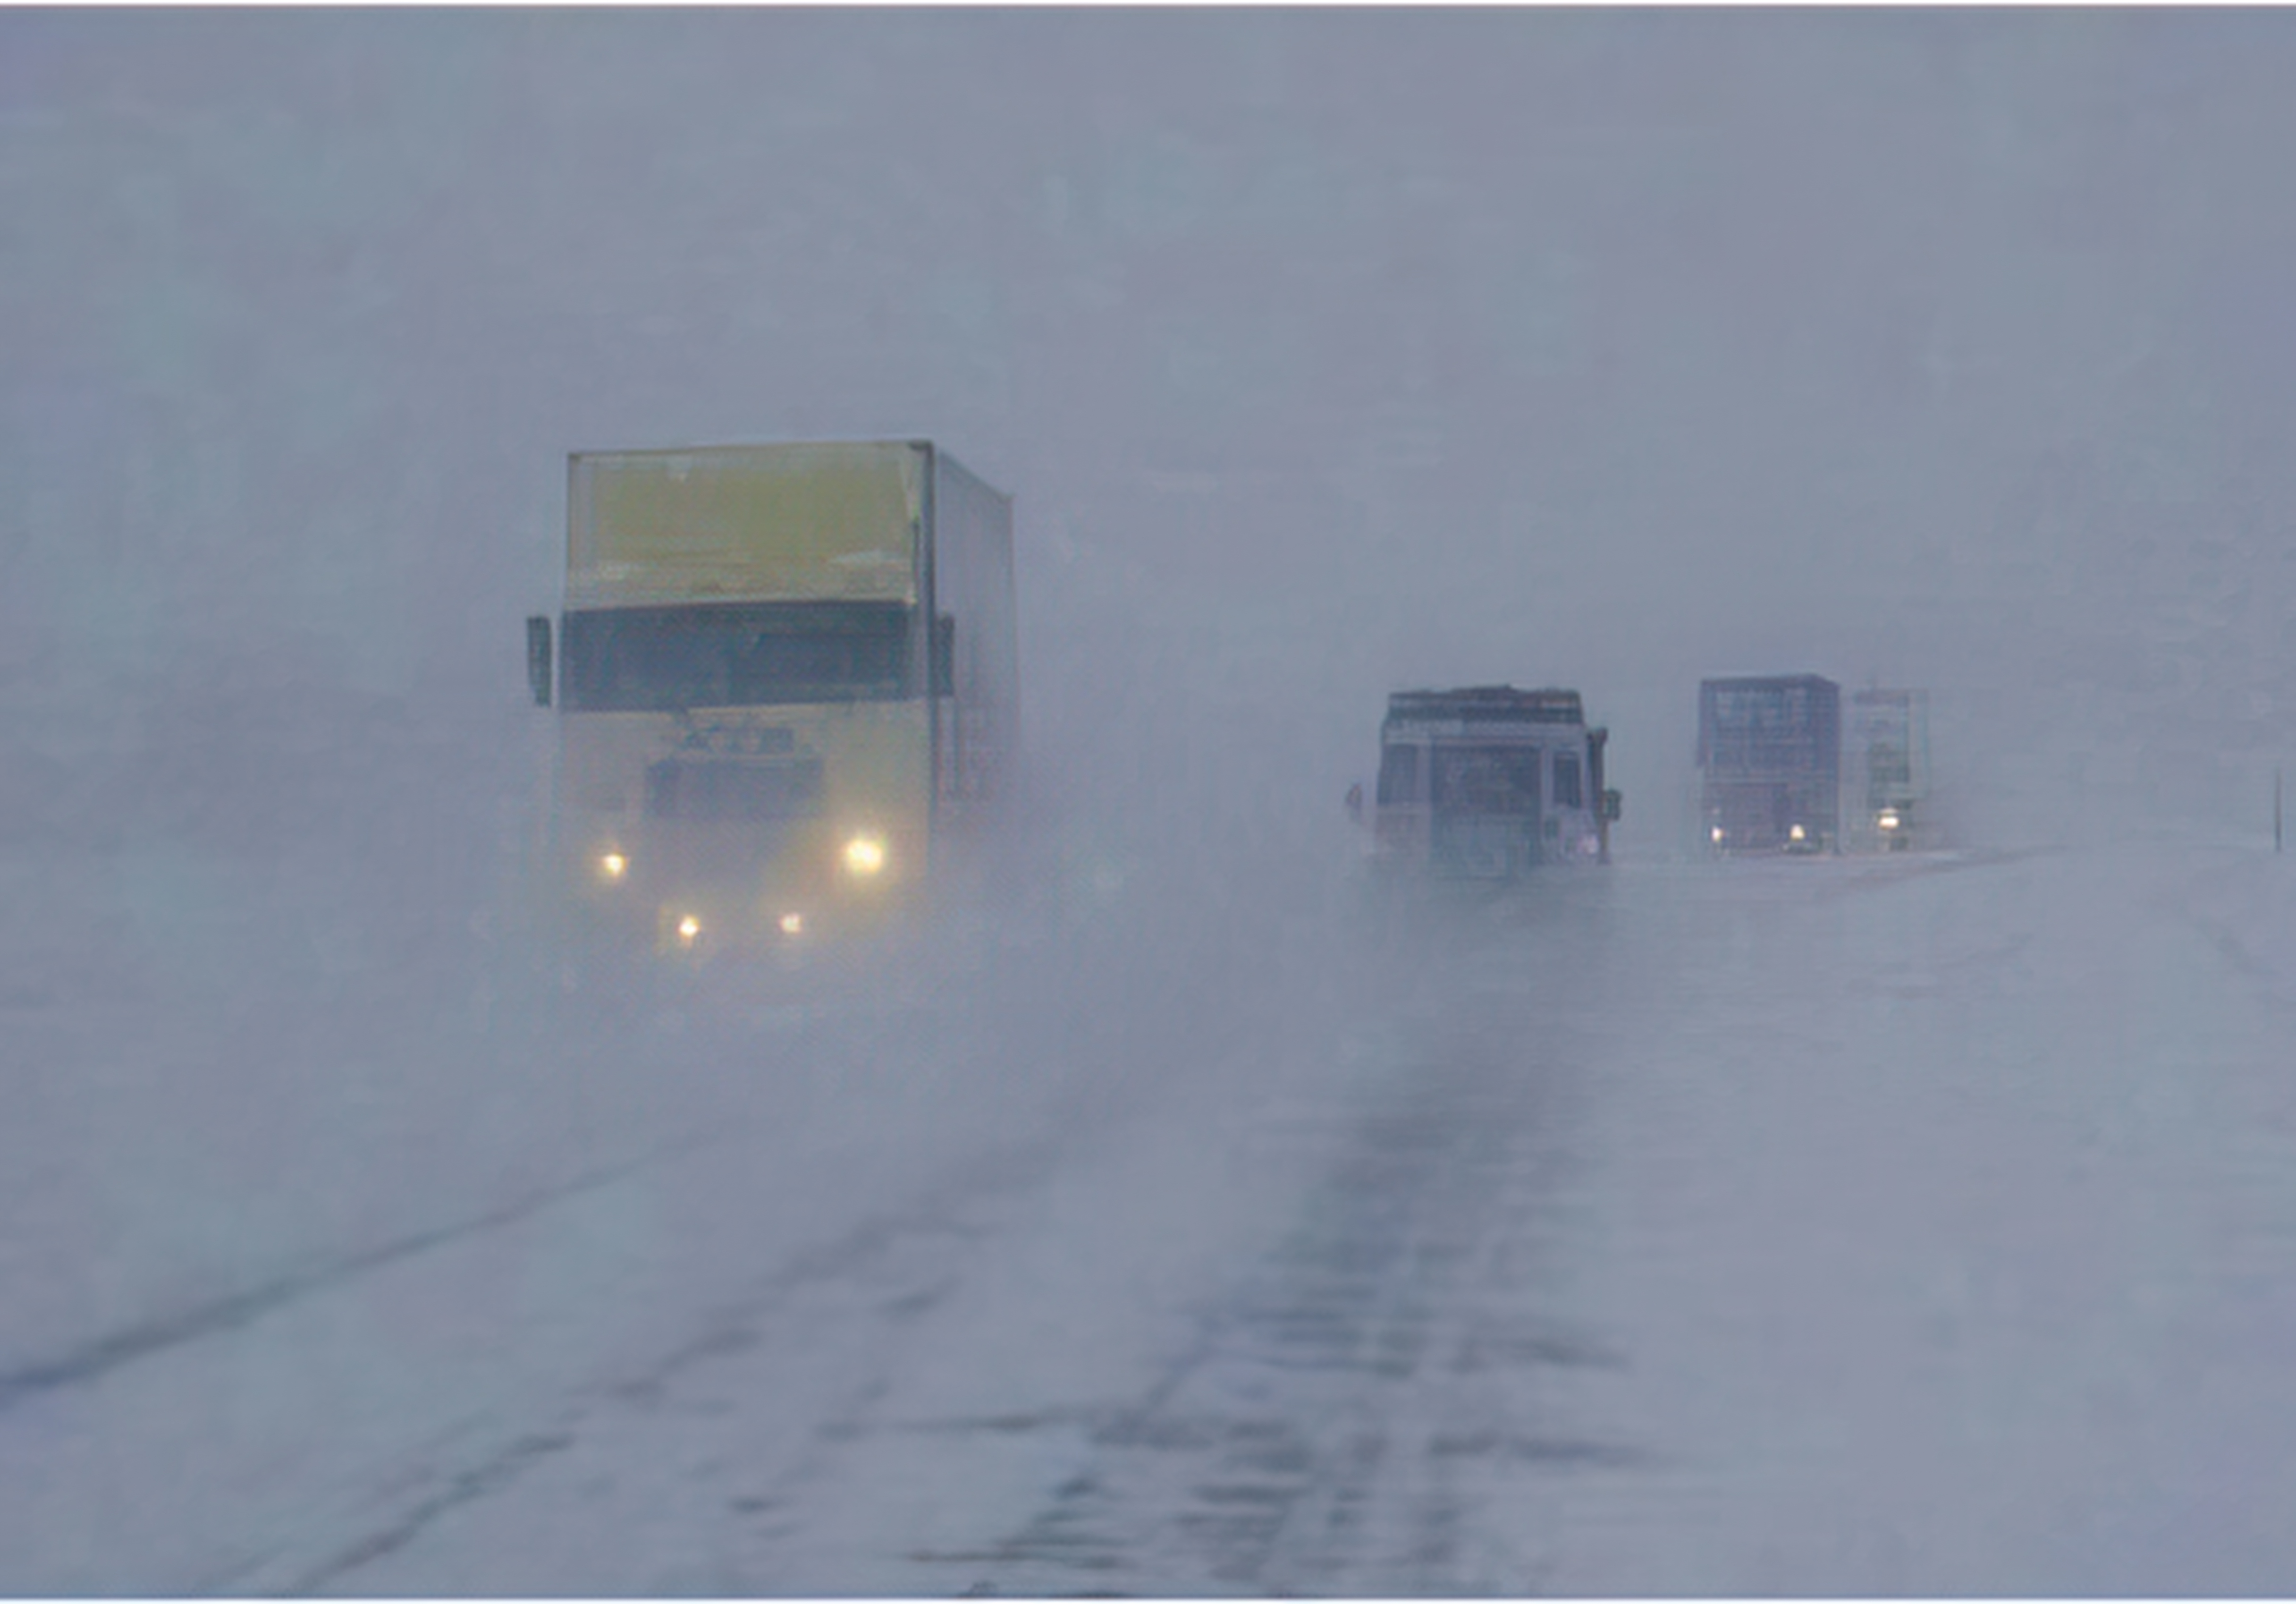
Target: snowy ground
x=1919, y=1225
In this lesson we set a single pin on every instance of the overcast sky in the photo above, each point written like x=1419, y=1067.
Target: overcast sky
x=1326, y=353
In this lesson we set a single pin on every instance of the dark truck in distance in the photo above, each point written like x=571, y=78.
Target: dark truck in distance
x=1490, y=782
x=1769, y=763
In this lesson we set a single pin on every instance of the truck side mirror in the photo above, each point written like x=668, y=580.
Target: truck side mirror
x=1610, y=802
x=538, y=659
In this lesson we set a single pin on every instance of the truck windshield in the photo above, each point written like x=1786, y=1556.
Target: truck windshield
x=736, y=655
x=1485, y=779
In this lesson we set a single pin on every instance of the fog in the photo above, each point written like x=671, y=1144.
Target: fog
x=1325, y=354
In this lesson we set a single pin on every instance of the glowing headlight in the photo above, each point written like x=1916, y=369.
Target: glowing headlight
x=1799, y=834
x=1889, y=820
x=612, y=865
x=792, y=924
x=865, y=854
x=1715, y=835
x=689, y=929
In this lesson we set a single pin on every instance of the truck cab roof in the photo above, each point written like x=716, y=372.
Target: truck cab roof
x=1487, y=703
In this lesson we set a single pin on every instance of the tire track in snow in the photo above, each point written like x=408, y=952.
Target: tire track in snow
x=735, y=1327
x=1318, y=1434
x=93, y=1361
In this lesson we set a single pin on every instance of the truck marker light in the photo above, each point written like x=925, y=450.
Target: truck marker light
x=865, y=854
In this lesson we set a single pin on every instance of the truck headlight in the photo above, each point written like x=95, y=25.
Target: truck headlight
x=865, y=855
x=689, y=931
x=1715, y=835
x=612, y=866
x=1797, y=834
x=792, y=924
x=1889, y=819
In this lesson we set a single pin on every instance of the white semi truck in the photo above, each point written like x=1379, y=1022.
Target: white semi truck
x=1490, y=782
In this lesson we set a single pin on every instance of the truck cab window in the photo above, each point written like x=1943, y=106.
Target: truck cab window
x=1487, y=779
x=736, y=655
x=1398, y=776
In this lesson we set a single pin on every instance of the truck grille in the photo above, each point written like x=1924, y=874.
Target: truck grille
x=716, y=790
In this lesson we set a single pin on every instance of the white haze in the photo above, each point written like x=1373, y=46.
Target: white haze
x=1325, y=353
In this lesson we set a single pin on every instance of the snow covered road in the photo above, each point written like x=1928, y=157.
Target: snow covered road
x=1845, y=1227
